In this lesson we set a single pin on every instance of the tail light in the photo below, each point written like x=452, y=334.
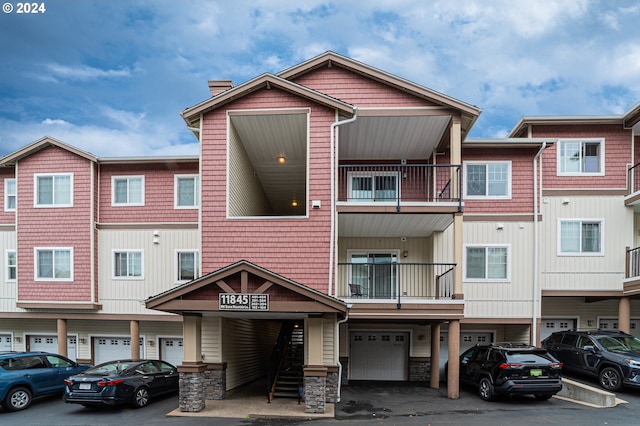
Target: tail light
x=556, y=365
x=505, y=366
x=68, y=382
x=110, y=383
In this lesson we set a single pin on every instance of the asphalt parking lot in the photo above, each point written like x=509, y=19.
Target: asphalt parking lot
x=362, y=403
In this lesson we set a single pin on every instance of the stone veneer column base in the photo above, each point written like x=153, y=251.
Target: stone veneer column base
x=315, y=389
x=332, y=385
x=419, y=369
x=192, y=387
x=215, y=386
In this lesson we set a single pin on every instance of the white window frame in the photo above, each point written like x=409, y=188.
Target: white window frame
x=559, y=158
x=581, y=221
x=507, y=279
x=9, y=266
x=176, y=186
x=36, y=258
x=115, y=179
x=372, y=175
x=115, y=277
x=36, y=185
x=8, y=195
x=507, y=196
x=177, y=264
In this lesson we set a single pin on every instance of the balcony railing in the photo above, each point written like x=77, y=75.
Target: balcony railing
x=399, y=183
x=395, y=281
x=633, y=263
x=634, y=176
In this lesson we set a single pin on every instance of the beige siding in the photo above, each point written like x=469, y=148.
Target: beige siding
x=604, y=272
x=328, y=345
x=586, y=313
x=246, y=196
x=8, y=290
x=246, y=348
x=511, y=299
x=125, y=296
x=212, y=339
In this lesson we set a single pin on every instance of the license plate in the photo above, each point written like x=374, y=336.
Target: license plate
x=535, y=372
x=84, y=386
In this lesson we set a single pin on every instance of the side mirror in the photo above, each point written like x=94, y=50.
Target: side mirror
x=590, y=348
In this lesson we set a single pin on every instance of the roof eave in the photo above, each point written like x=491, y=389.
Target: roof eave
x=564, y=120
x=44, y=142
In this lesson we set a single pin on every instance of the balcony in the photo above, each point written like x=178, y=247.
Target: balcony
x=395, y=282
x=400, y=185
x=633, y=183
x=632, y=272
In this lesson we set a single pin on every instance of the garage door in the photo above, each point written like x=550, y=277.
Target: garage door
x=112, y=348
x=551, y=325
x=379, y=355
x=50, y=344
x=467, y=340
x=171, y=350
x=5, y=342
x=612, y=324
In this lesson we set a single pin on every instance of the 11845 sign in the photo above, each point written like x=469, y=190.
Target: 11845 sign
x=243, y=302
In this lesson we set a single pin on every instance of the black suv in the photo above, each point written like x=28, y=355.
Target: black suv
x=511, y=369
x=611, y=356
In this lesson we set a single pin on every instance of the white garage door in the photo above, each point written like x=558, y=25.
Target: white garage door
x=171, y=350
x=50, y=344
x=467, y=340
x=379, y=355
x=112, y=348
x=5, y=342
x=551, y=325
x=612, y=324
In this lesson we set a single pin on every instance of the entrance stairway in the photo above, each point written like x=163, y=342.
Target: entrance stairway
x=285, y=373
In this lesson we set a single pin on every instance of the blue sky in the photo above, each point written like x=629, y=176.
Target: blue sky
x=111, y=76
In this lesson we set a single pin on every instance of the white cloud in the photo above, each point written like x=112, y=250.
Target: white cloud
x=85, y=72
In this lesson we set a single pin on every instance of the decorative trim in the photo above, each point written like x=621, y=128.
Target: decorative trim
x=69, y=305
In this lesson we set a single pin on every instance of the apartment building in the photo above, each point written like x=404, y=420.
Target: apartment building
x=337, y=223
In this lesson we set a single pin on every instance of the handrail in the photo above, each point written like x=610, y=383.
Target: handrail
x=278, y=355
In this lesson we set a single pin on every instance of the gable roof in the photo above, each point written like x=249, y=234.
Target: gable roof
x=192, y=114
x=201, y=294
x=468, y=112
x=45, y=142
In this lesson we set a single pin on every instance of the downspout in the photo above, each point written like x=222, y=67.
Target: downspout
x=332, y=230
x=346, y=318
x=199, y=130
x=536, y=242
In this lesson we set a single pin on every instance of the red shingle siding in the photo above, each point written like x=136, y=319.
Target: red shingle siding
x=617, y=156
x=295, y=248
x=356, y=89
x=158, y=197
x=521, y=180
x=6, y=217
x=54, y=227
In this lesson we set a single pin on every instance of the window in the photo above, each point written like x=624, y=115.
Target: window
x=186, y=191
x=127, y=190
x=487, y=180
x=487, y=263
x=370, y=186
x=581, y=157
x=127, y=264
x=375, y=273
x=187, y=267
x=54, y=264
x=12, y=265
x=580, y=237
x=53, y=190
x=9, y=195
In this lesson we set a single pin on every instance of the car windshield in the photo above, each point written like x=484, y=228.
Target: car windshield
x=632, y=343
x=612, y=344
x=109, y=368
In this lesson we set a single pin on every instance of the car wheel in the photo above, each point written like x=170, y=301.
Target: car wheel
x=485, y=389
x=17, y=399
x=542, y=396
x=141, y=397
x=610, y=379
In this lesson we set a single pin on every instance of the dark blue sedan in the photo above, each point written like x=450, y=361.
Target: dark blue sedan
x=132, y=382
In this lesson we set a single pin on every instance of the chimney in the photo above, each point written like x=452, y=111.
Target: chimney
x=219, y=86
